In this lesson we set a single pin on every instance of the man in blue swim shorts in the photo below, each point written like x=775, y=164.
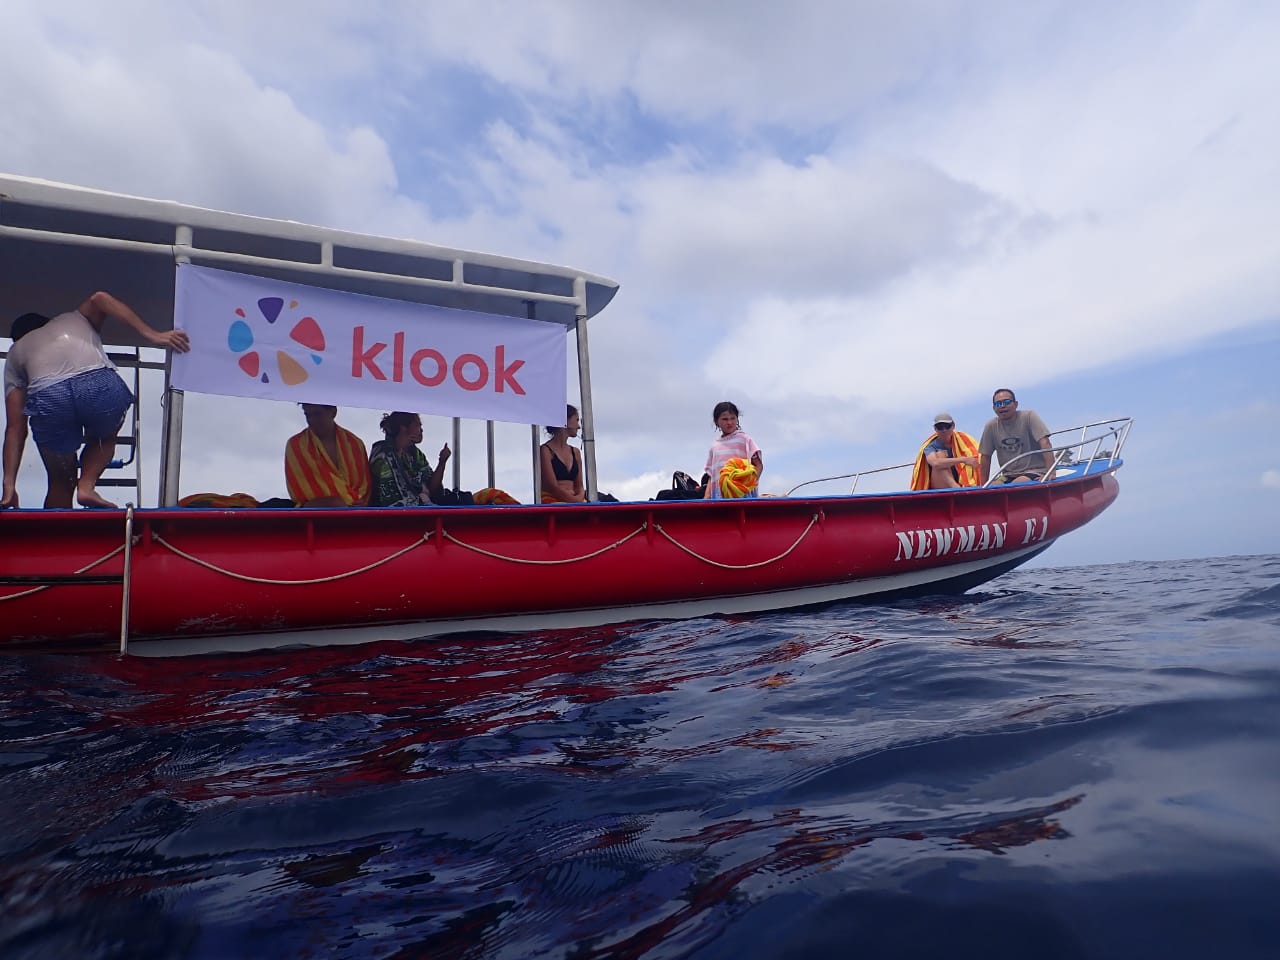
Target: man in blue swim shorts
x=59, y=378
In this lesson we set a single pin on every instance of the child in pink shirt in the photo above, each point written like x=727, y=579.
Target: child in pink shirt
x=733, y=442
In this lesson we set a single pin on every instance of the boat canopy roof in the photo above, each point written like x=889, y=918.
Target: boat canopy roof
x=60, y=243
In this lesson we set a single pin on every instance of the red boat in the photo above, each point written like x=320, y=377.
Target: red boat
x=168, y=580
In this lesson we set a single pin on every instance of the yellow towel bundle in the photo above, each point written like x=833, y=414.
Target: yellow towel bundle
x=217, y=500
x=492, y=496
x=737, y=478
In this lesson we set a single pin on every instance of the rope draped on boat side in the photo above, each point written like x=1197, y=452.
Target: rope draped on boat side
x=287, y=583
x=547, y=563
x=635, y=533
x=739, y=566
x=657, y=527
x=85, y=569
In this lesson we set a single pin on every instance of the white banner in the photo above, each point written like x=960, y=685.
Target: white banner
x=254, y=337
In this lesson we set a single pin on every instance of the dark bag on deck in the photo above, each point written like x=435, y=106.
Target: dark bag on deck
x=683, y=487
x=454, y=498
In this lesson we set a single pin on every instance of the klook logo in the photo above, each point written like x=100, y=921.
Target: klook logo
x=305, y=332
x=430, y=367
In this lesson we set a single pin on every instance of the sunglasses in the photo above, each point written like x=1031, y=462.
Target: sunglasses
x=944, y=426
x=1001, y=404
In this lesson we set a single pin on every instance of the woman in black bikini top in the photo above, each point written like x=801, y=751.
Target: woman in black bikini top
x=561, y=463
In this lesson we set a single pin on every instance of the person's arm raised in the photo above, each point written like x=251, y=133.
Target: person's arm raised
x=102, y=305
x=435, y=486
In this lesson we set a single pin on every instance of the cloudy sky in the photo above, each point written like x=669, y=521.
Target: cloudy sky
x=845, y=216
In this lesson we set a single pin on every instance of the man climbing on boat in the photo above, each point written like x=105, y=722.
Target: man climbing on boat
x=949, y=458
x=1010, y=434
x=58, y=377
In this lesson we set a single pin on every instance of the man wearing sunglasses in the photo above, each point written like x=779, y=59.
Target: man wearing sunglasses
x=1009, y=434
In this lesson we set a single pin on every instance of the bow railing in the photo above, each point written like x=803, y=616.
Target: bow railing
x=1074, y=450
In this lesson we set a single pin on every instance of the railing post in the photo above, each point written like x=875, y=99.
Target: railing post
x=126, y=580
x=171, y=433
x=588, y=414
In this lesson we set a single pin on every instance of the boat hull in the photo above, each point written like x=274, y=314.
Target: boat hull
x=205, y=580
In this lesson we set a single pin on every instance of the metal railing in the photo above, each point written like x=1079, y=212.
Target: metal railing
x=1084, y=451
x=856, y=477
x=131, y=441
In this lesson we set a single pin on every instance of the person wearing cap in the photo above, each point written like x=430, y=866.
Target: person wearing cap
x=1010, y=434
x=947, y=459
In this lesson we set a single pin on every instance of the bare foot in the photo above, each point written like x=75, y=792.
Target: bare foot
x=93, y=500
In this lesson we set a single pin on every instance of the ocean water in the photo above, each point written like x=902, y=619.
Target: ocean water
x=1077, y=762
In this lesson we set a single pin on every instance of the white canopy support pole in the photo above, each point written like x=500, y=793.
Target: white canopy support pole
x=137, y=425
x=171, y=439
x=587, y=416
x=488, y=428
x=537, y=462
x=171, y=434
x=457, y=453
x=530, y=311
x=459, y=278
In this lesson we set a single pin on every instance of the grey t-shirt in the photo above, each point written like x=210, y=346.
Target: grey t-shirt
x=1006, y=440
x=64, y=347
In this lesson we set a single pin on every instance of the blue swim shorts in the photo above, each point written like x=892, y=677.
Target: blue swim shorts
x=90, y=404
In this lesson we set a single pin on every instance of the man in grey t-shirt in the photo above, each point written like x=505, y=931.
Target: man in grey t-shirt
x=1010, y=433
x=59, y=381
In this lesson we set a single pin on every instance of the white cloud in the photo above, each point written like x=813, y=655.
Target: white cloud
x=183, y=120
x=842, y=215
x=828, y=225
x=642, y=487
x=1271, y=479
x=1069, y=207
x=749, y=62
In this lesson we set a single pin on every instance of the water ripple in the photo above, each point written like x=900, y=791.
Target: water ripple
x=1070, y=763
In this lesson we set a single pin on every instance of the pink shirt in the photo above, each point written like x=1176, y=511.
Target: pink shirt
x=736, y=444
